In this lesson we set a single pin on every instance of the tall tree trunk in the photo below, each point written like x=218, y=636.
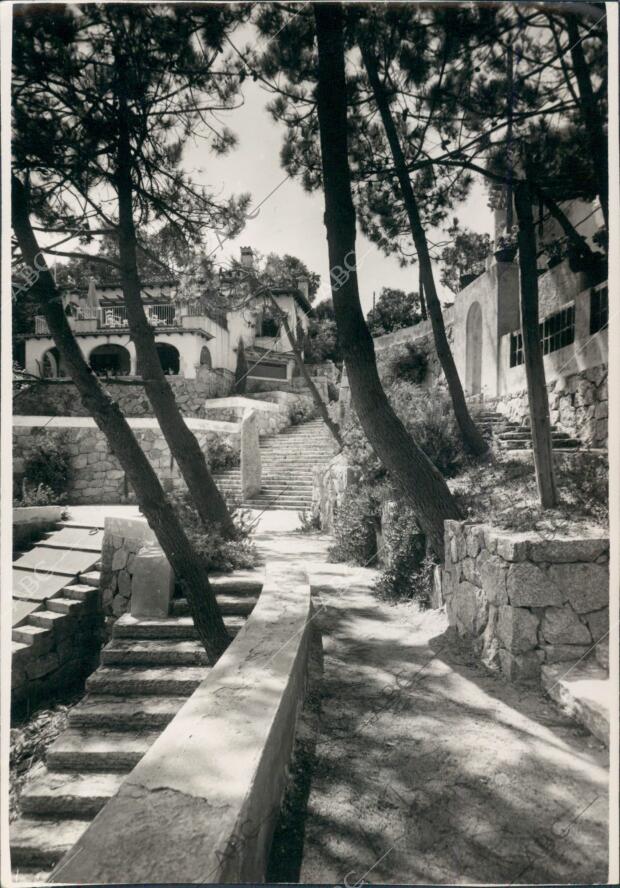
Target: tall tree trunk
x=333, y=427
x=419, y=480
x=182, y=442
x=188, y=567
x=423, y=311
x=590, y=113
x=471, y=435
x=532, y=349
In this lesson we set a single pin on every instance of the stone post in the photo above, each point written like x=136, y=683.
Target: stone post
x=152, y=583
x=250, y=455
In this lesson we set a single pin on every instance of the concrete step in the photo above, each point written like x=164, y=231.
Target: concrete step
x=583, y=691
x=47, y=619
x=85, y=750
x=165, y=627
x=134, y=713
x=29, y=877
x=66, y=606
x=42, y=842
x=39, y=638
x=91, y=578
x=153, y=652
x=121, y=680
x=80, y=539
x=229, y=605
x=69, y=795
x=64, y=562
x=81, y=592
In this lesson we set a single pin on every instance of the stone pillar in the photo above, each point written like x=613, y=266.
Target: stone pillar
x=250, y=455
x=152, y=583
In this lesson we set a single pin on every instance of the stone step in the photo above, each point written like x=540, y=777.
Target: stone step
x=32, y=586
x=39, y=638
x=153, y=652
x=80, y=539
x=91, y=578
x=69, y=795
x=165, y=627
x=84, y=750
x=48, y=619
x=81, y=592
x=65, y=562
x=583, y=691
x=66, y=606
x=43, y=842
x=229, y=605
x=122, y=679
x=241, y=582
x=134, y=713
x=30, y=877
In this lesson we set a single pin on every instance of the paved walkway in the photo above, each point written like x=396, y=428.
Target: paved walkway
x=430, y=770
x=427, y=768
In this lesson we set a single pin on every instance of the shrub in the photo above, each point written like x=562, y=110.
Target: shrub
x=41, y=495
x=355, y=526
x=408, y=573
x=410, y=364
x=309, y=523
x=217, y=552
x=221, y=455
x=49, y=467
x=429, y=419
x=241, y=370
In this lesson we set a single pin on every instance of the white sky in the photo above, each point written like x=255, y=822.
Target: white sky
x=291, y=220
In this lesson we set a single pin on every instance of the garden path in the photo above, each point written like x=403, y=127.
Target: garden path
x=427, y=768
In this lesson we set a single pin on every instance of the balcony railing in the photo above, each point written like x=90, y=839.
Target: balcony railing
x=115, y=317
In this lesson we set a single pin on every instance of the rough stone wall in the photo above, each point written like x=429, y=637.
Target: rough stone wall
x=60, y=398
x=386, y=353
x=59, y=658
x=96, y=474
x=121, y=542
x=523, y=599
x=578, y=404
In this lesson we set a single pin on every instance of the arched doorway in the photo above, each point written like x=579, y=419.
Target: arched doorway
x=473, y=350
x=205, y=357
x=110, y=360
x=168, y=358
x=52, y=365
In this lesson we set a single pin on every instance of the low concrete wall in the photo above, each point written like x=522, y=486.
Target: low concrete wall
x=96, y=474
x=251, y=474
x=201, y=805
x=29, y=522
x=270, y=418
x=525, y=600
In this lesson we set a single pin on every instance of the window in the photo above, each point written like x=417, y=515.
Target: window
x=556, y=331
x=599, y=309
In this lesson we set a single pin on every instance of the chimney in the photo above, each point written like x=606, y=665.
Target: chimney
x=247, y=257
x=302, y=286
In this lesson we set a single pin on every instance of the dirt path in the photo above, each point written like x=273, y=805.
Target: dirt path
x=430, y=770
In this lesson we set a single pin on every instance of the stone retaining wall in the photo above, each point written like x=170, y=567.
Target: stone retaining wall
x=56, y=659
x=578, y=404
x=60, y=397
x=523, y=599
x=96, y=474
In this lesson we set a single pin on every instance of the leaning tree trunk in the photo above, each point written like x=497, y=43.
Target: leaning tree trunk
x=182, y=442
x=187, y=565
x=333, y=427
x=532, y=350
x=419, y=480
x=590, y=113
x=472, y=438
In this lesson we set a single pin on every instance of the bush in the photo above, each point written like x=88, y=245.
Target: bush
x=408, y=574
x=48, y=468
x=309, y=523
x=241, y=370
x=410, y=364
x=217, y=552
x=221, y=455
x=429, y=419
x=41, y=495
x=355, y=526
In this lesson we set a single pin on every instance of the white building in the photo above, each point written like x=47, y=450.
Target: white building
x=191, y=328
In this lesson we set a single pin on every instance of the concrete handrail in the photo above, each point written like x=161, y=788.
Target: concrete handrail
x=202, y=804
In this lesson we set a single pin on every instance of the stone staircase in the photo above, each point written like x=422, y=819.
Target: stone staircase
x=148, y=670
x=287, y=461
x=511, y=435
x=583, y=690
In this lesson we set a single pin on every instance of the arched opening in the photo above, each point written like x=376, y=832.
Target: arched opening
x=473, y=350
x=205, y=357
x=52, y=365
x=110, y=360
x=168, y=358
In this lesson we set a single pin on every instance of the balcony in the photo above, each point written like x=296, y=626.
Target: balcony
x=94, y=320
